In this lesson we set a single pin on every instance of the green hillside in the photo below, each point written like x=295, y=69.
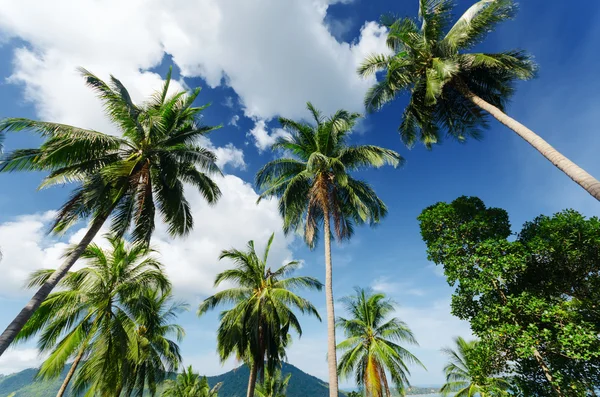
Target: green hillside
x=234, y=384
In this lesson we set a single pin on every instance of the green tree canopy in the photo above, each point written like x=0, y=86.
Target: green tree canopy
x=274, y=385
x=152, y=354
x=94, y=318
x=130, y=177
x=532, y=300
x=373, y=347
x=453, y=89
x=468, y=373
x=256, y=328
x=315, y=188
x=190, y=384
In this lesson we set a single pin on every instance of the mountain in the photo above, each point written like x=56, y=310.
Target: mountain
x=235, y=383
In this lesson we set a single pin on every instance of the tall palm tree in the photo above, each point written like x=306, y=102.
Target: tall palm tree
x=93, y=317
x=451, y=88
x=126, y=176
x=153, y=354
x=315, y=188
x=463, y=378
x=273, y=385
x=256, y=328
x=372, y=348
x=190, y=384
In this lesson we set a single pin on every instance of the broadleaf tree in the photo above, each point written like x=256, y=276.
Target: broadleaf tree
x=531, y=300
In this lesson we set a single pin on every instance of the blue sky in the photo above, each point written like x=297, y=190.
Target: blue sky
x=260, y=59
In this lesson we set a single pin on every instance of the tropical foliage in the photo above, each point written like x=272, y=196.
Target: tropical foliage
x=128, y=177
x=256, y=328
x=532, y=300
x=466, y=374
x=452, y=89
x=315, y=187
x=190, y=384
x=274, y=385
x=97, y=319
x=110, y=327
x=373, y=347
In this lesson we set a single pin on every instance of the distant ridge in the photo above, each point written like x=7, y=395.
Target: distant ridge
x=235, y=383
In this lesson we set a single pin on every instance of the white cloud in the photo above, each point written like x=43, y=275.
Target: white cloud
x=191, y=262
x=275, y=55
x=263, y=139
x=15, y=360
x=435, y=328
x=25, y=248
x=383, y=284
x=234, y=120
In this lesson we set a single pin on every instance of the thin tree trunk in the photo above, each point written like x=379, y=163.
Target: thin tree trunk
x=252, y=380
x=63, y=388
x=572, y=170
x=17, y=324
x=547, y=373
x=536, y=353
x=331, y=353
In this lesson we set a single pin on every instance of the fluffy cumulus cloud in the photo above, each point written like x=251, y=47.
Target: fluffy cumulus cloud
x=276, y=55
x=263, y=138
x=25, y=248
x=191, y=262
x=18, y=359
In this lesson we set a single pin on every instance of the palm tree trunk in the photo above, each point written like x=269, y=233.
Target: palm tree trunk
x=74, y=365
x=572, y=170
x=252, y=380
x=331, y=353
x=17, y=324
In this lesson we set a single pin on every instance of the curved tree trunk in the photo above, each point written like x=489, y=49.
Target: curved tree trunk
x=17, y=324
x=572, y=170
x=331, y=353
x=63, y=387
x=252, y=380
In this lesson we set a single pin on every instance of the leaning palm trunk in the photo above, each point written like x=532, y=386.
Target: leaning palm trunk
x=252, y=380
x=331, y=352
x=572, y=170
x=71, y=372
x=17, y=324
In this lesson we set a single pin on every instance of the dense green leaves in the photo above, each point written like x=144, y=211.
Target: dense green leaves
x=274, y=385
x=373, y=350
x=132, y=176
x=431, y=62
x=468, y=373
x=190, y=384
x=115, y=314
x=317, y=177
x=256, y=328
x=533, y=300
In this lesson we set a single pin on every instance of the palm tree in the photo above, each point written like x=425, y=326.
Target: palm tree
x=372, y=348
x=92, y=318
x=450, y=88
x=315, y=187
x=463, y=378
x=153, y=354
x=190, y=384
x=126, y=177
x=256, y=327
x=273, y=385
